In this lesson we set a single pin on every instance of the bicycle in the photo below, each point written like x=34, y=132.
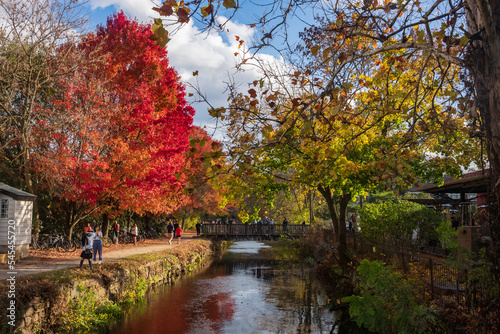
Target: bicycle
x=59, y=242
x=34, y=243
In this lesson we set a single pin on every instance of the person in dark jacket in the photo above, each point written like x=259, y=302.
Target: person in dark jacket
x=198, y=228
x=87, y=245
x=170, y=232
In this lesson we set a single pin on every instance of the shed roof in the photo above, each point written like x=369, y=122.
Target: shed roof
x=15, y=193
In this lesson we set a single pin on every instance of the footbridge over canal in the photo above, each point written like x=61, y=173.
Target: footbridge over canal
x=254, y=231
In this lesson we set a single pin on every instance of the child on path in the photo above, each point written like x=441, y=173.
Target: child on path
x=178, y=233
x=87, y=244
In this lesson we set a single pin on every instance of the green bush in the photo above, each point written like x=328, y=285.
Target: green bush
x=88, y=314
x=386, y=302
x=399, y=223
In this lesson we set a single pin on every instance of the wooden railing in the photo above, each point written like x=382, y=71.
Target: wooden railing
x=254, y=230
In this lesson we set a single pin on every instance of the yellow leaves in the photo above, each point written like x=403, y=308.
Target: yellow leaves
x=160, y=34
x=207, y=10
x=314, y=50
x=228, y=4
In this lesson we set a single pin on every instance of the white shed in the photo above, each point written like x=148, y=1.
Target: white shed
x=16, y=212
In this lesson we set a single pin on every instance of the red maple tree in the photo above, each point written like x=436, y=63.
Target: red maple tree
x=118, y=129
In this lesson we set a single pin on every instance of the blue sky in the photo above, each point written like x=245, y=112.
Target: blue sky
x=212, y=55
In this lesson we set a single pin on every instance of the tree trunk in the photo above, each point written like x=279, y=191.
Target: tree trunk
x=105, y=224
x=146, y=220
x=483, y=18
x=129, y=218
x=338, y=219
x=327, y=195
x=343, y=202
x=311, y=212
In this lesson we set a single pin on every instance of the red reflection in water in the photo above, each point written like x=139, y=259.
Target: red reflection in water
x=170, y=314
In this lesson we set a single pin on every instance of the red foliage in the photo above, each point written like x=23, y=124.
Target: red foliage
x=200, y=161
x=119, y=129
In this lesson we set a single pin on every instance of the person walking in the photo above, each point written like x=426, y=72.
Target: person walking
x=198, y=228
x=178, y=233
x=176, y=225
x=86, y=244
x=170, y=232
x=352, y=223
x=116, y=231
x=135, y=233
x=97, y=245
x=285, y=225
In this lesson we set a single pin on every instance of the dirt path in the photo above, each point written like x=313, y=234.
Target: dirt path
x=39, y=261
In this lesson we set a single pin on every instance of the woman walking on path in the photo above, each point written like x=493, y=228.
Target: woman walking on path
x=87, y=242
x=178, y=233
x=135, y=233
x=97, y=245
x=170, y=232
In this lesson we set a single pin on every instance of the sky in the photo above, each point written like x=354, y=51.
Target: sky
x=190, y=50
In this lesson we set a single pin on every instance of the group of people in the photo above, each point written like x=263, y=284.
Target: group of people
x=91, y=241
x=91, y=244
x=134, y=232
x=174, y=230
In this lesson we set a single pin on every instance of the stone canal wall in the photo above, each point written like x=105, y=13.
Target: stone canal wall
x=80, y=300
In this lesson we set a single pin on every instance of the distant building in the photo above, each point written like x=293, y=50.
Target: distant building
x=16, y=213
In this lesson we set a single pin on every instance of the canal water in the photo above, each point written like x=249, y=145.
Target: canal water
x=246, y=291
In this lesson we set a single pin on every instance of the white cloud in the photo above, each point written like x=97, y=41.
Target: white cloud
x=213, y=58
x=211, y=54
x=140, y=9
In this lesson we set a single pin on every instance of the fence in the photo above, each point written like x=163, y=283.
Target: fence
x=236, y=231
x=437, y=278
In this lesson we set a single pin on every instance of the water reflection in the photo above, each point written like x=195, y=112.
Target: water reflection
x=244, y=292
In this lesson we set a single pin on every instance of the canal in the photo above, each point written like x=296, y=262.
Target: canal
x=245, y=291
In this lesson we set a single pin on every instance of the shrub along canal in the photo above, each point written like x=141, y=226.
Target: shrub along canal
x=245, y=291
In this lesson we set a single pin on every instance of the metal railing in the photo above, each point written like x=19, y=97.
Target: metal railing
x=260, y=230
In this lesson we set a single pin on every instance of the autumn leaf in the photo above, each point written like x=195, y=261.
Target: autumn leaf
x=314, y=50
x=206, y=11
x=160, y=35
x=165, y=10
x=183, y=14
x=229, y=4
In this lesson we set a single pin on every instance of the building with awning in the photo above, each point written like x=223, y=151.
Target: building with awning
x=456, y=197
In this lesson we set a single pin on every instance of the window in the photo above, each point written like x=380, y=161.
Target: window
x=4, y=208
